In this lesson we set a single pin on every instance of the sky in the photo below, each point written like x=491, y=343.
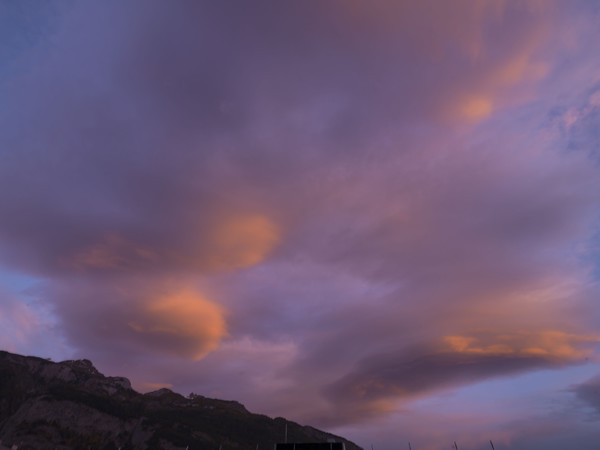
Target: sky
x=378, y=218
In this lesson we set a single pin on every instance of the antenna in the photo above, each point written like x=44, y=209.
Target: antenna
x=492, y=444
x=409, y=447
x=455, y=446
x=285, y=433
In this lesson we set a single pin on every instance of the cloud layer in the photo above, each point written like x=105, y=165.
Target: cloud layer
x=327, y=210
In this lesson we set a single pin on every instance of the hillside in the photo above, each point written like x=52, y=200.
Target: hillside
x=70, y=405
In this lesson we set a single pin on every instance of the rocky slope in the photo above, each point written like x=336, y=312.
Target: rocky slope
x=70, y=405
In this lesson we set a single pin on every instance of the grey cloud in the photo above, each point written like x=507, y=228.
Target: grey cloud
x=589, y=392
x=415, y=372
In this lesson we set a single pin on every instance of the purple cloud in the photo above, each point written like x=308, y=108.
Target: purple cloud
x=349, y=207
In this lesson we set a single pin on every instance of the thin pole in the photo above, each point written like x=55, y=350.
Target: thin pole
x=409, y=447
x=455, y=446
x=492, y=444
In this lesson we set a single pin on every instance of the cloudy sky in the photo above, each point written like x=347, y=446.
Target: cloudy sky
x=380, y=218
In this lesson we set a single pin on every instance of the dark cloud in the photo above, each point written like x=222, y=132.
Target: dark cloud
x=370, y=390
x=589, y=392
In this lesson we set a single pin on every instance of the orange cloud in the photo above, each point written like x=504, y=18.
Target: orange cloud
x=183, y=324
x=492, y=87
x=550, y=344
x=242, y=241
x=235, y=242
x=496, y=79
x=521, y=67
x=476, y=107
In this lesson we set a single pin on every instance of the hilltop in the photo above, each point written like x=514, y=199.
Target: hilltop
x=71, y=405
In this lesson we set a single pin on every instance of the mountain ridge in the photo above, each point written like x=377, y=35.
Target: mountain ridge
x=70, y=405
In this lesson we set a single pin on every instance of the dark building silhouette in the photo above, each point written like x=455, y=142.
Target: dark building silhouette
x=312, y=446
